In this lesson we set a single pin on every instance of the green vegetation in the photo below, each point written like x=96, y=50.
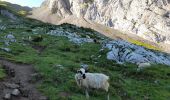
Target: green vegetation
x=22, y=12
x=146, y=45
x=83, y=5
x=3, y=19
x=58, y=62
x=2, y=73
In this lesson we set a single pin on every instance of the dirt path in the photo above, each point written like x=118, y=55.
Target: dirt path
x=19, y=77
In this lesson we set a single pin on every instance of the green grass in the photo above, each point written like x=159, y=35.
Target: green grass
x=2, y=73
x=3, y=19
x=126, y=82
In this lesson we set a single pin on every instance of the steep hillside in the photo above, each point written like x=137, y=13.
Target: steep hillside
x=15, y=8
x=148, y=19
x=40, y=60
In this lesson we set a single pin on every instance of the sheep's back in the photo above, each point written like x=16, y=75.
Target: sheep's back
x=96, y=80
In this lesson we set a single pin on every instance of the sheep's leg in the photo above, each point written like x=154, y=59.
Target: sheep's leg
x=107, y=90
x=108, y=98
x=87, y=94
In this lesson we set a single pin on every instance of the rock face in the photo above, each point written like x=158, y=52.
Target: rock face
x=72, y=36
x=122, y=51
x=149, y=19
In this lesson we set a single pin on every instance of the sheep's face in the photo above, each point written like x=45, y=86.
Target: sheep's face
x=81, y=73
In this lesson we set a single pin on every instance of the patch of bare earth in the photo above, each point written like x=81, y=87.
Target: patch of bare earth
x=39, y=48
x=19, y=84
x=64, y=94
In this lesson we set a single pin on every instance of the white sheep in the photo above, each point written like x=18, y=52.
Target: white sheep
x=143, y=65
x=92, y=80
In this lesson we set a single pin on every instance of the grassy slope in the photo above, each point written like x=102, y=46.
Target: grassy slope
x=58, y=81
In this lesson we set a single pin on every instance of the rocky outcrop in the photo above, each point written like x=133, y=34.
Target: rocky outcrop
x=72, y=36
x=2, y=27
x=122, y=52
x=8, y=14
x=149, y=19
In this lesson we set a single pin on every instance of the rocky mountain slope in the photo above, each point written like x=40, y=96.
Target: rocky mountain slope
x=149, y=19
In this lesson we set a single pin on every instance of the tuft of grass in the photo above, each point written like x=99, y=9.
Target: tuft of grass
x=2, y=73
x=84, y=5
x=22, y=12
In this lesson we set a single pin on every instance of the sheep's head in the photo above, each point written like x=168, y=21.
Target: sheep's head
x=81, y=73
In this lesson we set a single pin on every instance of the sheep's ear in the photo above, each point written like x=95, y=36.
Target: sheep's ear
x=84, y=76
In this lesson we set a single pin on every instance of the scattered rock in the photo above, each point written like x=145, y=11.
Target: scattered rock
x=34, y=75
x=73, y=37
x=7, y=96
x=5, y=49
x=58, y=66
x=10, y=37
x=2, y=27
x=16, y=92
x=25, y=92
x=11, y=85
x=156, y=82
x=43, y=98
